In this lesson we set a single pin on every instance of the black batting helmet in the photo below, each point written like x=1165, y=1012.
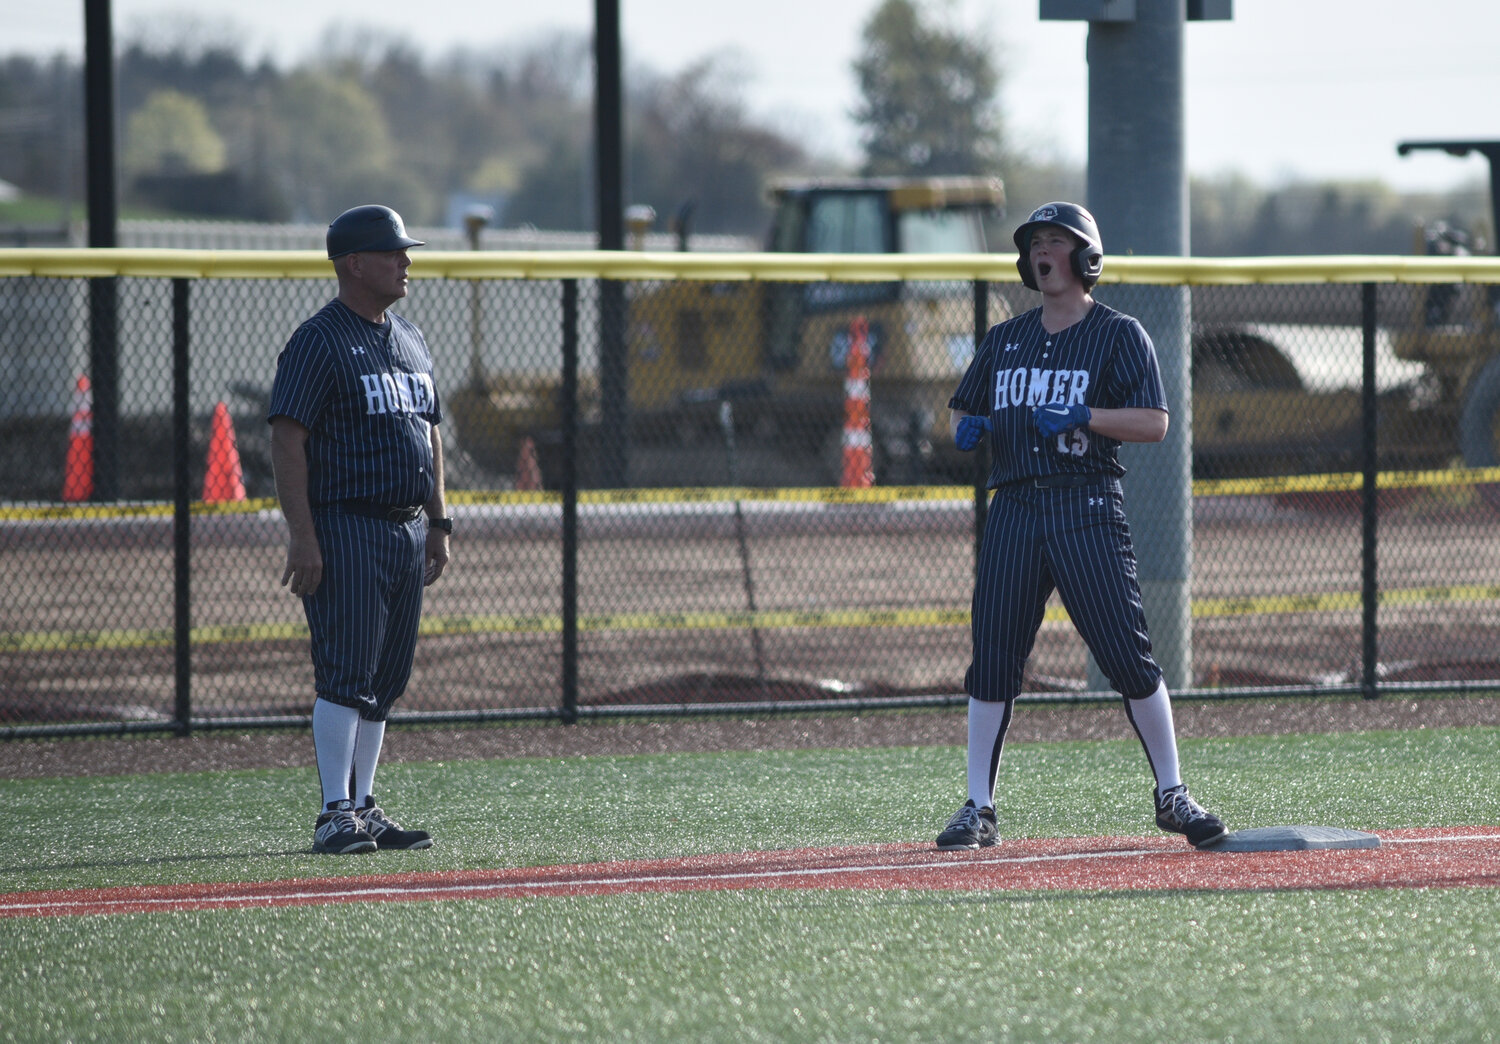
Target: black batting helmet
x=1088, y=259
x=370, y=227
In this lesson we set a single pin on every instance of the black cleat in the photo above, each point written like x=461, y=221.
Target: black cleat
x=388, y=833
x=970, y=827
x=340, y=832
x=1178, y=813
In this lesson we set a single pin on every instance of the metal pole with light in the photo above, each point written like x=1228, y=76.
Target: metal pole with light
x=1137, y=188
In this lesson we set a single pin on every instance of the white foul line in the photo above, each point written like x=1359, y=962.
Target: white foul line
x=440, y=889
x=458, y=888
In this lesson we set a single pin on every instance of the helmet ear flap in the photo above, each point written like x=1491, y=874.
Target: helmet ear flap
x=1088, y=263
x=1028, y=277
x=1023, y=262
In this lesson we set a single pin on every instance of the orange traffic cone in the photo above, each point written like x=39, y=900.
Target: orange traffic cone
x=859, y=472
x=78, y=472
x=223, y=480
x=528, y=470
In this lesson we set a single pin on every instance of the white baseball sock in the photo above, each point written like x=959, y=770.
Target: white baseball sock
x=988, y=723
x=333, y=729
x=367, y=740
x=1152, y=719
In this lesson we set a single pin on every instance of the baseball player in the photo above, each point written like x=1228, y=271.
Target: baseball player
x=1056, y=390
x=358, y=458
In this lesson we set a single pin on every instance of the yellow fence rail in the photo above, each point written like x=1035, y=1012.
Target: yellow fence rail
x=731, y=267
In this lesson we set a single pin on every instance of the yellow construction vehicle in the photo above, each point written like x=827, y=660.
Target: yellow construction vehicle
x=1454, y=331
x=777, y=353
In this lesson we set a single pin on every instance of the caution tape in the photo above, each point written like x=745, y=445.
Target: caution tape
x=515, y=498
x=1341, y=601
x=1340, y=482
x=727, y=494
x=1443, y=593
x=500, y=623
x=1275, y=605
x=604, y=623
x=1345, y=482
x=146, y=637
x=703, y=621
x=118, y=512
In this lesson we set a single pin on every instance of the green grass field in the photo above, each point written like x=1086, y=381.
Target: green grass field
x=754, y=965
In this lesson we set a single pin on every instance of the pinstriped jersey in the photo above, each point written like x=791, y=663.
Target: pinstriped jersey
x=365, y=393
x=1105, y=361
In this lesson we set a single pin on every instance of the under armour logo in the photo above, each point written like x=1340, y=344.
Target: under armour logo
x=357, y=350
x=1011, y=347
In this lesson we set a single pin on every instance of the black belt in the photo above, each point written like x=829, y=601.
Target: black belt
x=368, y=510
x=1066, y=480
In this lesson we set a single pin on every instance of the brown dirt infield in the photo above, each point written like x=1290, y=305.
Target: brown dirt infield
x=1419, y=858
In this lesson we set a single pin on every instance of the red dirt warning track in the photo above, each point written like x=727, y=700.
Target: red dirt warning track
x=1427, y=858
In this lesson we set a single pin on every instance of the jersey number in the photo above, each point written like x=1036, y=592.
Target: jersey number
x=1073, y=443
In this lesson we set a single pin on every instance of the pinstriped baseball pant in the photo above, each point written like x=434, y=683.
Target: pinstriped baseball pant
x=1073, y=540
x=365, y=613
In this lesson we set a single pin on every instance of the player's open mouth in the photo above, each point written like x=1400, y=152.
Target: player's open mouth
x=1044, y=269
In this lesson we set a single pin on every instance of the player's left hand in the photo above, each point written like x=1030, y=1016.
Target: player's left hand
x=1055, y=418
x=437, y=556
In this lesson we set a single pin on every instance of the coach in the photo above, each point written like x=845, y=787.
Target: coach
x=358, y=458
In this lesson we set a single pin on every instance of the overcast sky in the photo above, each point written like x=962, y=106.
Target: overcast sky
x=1290, y=88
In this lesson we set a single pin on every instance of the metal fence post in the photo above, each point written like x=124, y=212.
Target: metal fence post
x=103, y=215
x=1369, y=503
x=570, y=501
x=104, y=382
x=981, y=452
x=181, y=512
x=612, y=451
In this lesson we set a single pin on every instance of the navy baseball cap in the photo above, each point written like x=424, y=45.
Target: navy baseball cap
x=370, y=227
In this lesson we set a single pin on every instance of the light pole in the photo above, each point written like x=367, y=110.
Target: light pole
x=1137, y=188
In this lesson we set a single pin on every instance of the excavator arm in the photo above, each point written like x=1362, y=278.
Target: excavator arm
x=1490, y=150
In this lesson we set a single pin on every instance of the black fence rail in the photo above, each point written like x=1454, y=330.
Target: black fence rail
x=649, y=470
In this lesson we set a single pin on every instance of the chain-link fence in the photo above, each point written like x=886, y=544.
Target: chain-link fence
x=661, y=503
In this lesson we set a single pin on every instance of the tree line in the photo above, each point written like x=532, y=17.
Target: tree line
x=205, y=133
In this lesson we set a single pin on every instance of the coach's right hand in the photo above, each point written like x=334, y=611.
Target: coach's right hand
x=969, y=431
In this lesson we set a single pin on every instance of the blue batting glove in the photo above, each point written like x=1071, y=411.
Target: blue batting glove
x=970, y=431
x=1055, y=418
